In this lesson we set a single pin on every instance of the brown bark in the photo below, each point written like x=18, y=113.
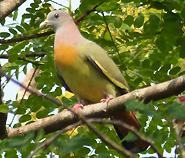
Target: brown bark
x=101, y=110
x=8, y=6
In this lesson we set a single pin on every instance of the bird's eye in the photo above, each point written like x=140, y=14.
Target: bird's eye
x=56, y=16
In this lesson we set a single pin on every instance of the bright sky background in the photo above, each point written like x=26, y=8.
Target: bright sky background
x=11, y=89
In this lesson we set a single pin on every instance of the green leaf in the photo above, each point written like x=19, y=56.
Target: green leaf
x=4, y=34
x=3, y=46
x=46, y=89
x=130, y=137
x=154, y=19
x=182, y=51
x=138, y=80
x=42, y=113
x=19, y=28
x=129, y=20
x=4, y=108
x=66, y=101
x=165, y=68
x=73, y=144
x=139, y=21
x=15, y=14
x=176, y=111
x=175, y=70
x=35, y=106
x=21, y=110
x=126, y=1
x=12, y=58
x=101, y=149
x=31, y=10
x=83, y=7
x=25, y=118
x=161, y=43
x=101, y=156
x=40, y=84
x=40, y=134
x=11, y=153
x=156, y=65
x=179, y=41
x=183, y=13
x=58, y=91
x=146, y=63
x=118, y=22
x=25, y=69
x=13, y=31
x=2, y=22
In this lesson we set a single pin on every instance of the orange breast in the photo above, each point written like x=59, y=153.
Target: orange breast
x=65, y=55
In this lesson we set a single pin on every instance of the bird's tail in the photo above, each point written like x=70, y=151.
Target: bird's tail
x=129, y=118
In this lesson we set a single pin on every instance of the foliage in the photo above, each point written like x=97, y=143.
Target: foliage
x=144, y=38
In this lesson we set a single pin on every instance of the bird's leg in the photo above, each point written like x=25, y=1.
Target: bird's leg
x=77, y=106
x=106, y=99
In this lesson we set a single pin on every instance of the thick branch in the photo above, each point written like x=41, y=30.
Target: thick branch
x=102, y=110
x=8, y=6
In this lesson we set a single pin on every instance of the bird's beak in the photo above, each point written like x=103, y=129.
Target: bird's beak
x=44, y=23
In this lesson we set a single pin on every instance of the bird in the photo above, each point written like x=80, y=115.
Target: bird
x=85, y=69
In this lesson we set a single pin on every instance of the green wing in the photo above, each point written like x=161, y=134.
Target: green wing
x=101, y=60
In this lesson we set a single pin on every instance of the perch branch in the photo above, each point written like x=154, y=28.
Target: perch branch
x=8, y=6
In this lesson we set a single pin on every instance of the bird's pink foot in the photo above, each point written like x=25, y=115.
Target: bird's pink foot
x=182, y=98
x=106, y=99
x=77, y=106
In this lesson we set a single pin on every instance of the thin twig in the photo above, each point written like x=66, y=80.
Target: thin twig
x=131, y=129
x=32, y=54
x=23, y=95
x=49, y=141
x=178, y=136
x=59, y=4
x=87, y=13
x=107, y=26
x=28, y=37
x=107, y=140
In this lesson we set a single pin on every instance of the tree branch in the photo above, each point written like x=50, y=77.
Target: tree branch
x=102, y=110
x=8, y=6
x=28, y=37
x=131, y=129
x=87, y=13
x=32, y=54
x=178, y=136
x=49, y=141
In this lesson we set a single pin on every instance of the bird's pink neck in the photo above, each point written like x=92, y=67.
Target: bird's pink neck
x=68, y=34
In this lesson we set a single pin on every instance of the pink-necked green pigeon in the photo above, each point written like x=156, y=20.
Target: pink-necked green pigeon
x=85, y=69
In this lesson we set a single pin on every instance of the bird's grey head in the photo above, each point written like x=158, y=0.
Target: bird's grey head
x=56, y=19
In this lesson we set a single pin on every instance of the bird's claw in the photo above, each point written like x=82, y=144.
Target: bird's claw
x=77, y=106
x=106, y=99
